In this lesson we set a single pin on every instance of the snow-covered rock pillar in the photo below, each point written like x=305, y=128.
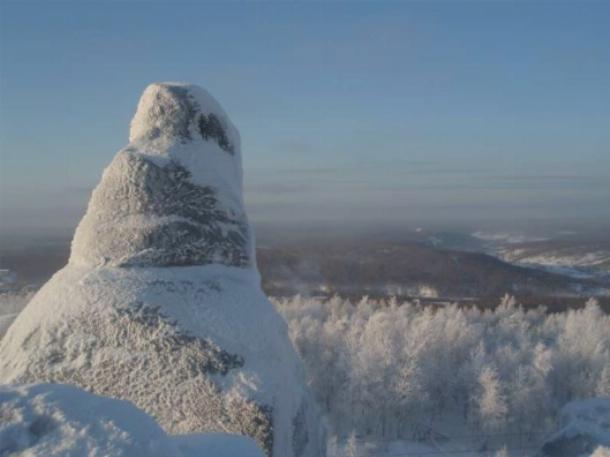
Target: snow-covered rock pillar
x=160, y=303
x=174, y=195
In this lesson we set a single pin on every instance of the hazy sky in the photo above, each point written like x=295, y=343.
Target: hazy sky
x=348, y=111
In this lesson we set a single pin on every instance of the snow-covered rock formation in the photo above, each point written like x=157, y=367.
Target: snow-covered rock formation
x=53, y=420
x=160, y=303
x=173, y=197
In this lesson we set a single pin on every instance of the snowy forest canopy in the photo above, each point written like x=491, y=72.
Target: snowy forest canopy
x=387, y=370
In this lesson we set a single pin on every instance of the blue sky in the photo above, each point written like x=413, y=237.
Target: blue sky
x=359, y=112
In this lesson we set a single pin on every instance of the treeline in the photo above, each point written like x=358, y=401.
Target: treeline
x=390, y=370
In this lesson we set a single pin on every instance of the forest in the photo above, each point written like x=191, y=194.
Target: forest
x=386, y=370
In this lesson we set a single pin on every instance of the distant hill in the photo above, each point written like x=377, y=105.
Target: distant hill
x=376, y=267
x=407, y=269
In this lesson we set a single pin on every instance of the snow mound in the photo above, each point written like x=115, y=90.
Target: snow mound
x=50, y=420
x=160, y=303
x=585, y=427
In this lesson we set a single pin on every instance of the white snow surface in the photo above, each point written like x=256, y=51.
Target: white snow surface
x=505, y=237
x=560, y=257
x=586, y=422
x=54, y=420
x=225, y=304
x=590, y=418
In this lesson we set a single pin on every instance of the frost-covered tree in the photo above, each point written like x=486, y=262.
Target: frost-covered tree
x=351, y=446
x=399, y=370
x=502, y=452
x=491, y=401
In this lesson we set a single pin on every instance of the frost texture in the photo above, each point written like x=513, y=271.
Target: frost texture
x=150, y=215
x=174, y=195
x=390, y=370
x=147, y=353
x=136, y=353
x=50, y=420
x=161, y=303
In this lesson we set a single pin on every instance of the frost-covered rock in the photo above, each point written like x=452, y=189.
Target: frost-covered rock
x=52, y=420
x=160, y=303
x=174, y=195
x=585, y=427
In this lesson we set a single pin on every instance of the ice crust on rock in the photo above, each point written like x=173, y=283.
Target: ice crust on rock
x=160, y=303
x=173, y=196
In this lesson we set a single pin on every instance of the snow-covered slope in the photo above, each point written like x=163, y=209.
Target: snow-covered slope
x=160, y=303
x=579, y=261
x=52, y=420
x=576, y=256
x=585, y=427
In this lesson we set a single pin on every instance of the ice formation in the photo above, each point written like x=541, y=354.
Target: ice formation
x=160, y=303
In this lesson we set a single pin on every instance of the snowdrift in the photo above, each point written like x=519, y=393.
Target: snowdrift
x=585, y=427
x=49, y=420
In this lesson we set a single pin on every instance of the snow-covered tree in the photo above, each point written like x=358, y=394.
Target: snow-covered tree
x=491, y=401
x=396, y=370
x=351, y=446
